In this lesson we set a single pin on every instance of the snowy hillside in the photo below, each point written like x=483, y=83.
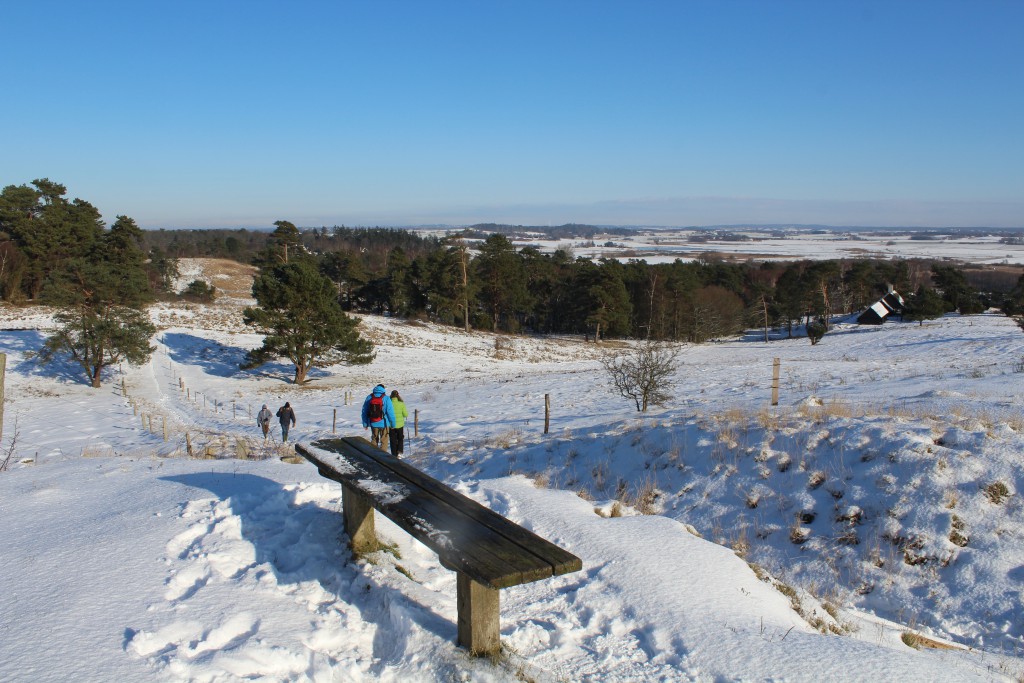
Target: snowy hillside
x=877, y=507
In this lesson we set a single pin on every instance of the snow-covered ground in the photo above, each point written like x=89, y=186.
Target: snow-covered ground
x=664, y=246
x=866, y=506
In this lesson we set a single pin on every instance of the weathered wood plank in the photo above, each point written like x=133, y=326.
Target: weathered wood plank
x=561, y=561
x=460, y=541
x=478, y=626
x=359, y=522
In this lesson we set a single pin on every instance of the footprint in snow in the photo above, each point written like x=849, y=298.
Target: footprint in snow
x=186, y=582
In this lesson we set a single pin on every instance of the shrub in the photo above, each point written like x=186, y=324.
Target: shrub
x=815, y=331
x=198, y=290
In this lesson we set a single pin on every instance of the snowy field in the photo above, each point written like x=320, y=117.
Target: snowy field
x=876, y=508
x=664, y=246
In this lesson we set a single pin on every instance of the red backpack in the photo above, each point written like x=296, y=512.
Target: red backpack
x=376, y=411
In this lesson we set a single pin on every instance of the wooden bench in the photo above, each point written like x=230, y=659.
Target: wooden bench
x=487, y=551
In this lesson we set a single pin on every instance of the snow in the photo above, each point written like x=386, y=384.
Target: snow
x=666, y=245
x=125, y=559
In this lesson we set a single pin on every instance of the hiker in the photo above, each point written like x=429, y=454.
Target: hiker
x=287, y=416
x=378, y=414
x=263, y=420
x=396, y=435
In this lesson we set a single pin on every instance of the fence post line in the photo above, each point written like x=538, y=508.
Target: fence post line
x=775, y=381
x=547, y=412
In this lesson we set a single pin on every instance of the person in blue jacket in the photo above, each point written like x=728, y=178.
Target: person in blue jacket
x=378, y=414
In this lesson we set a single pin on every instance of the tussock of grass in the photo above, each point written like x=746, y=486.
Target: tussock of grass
x=997, y=492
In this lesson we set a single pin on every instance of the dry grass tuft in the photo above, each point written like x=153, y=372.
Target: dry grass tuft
x=917, y=641
x=997, y=492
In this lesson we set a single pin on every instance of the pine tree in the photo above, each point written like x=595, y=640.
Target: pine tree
x=100, y=297
x=299, y=314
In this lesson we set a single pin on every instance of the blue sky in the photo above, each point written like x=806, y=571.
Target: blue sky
x=230, y=113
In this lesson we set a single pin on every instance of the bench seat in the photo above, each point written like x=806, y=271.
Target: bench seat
x=486, y=550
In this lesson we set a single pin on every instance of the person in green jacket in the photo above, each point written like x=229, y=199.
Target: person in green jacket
x=396, y=435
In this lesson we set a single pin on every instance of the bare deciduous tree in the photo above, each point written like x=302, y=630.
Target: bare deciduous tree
x=643, y=374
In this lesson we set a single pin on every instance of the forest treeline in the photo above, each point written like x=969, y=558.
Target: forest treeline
x=478, y=278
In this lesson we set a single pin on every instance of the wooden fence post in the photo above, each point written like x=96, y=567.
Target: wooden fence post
x=334, y=421
x=188, y=444
x=775, y=381
x=416, y=422
x=547, y=412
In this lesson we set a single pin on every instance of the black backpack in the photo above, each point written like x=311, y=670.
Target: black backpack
x=376, y=411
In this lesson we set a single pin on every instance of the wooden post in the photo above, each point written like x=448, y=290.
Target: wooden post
x=547, y=412
x=334, y=421
x=478, y=607
x=775, y=381
x=188, y=394
x=358, y=520
x=3, y=374
x=416, y=422
x=188, y=444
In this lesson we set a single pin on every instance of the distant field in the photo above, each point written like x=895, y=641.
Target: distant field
x=666, y=246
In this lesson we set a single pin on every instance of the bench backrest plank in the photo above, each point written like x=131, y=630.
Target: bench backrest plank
x=489, y=548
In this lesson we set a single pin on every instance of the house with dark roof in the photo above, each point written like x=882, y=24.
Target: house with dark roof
x=876, y=313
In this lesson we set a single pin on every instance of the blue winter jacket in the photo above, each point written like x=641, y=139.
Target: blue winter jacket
x=389, y=409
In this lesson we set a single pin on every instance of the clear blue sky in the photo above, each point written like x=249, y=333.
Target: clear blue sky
x=240, y=113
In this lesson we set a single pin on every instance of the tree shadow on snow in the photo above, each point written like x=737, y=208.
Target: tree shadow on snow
x=213, y=357
x=222, y=360
x=62, y=368
x=302, y=541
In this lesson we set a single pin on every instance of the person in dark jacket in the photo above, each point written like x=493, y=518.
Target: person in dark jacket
x=396, y=435
x=287, y=416
x=378, y=414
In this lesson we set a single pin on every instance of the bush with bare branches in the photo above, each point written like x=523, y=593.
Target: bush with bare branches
x=642, y=374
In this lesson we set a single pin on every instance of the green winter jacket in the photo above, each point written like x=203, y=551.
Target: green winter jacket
x=401, y=412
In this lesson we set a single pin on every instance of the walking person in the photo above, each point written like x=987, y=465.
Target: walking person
x=378, y=414
x=263, y=420
x=396, y=435
x=287, y=416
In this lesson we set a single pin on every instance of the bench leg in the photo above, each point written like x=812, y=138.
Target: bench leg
x=478, y=617
x=358, y=520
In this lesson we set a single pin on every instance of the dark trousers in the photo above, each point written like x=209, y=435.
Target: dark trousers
x=396, y=438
